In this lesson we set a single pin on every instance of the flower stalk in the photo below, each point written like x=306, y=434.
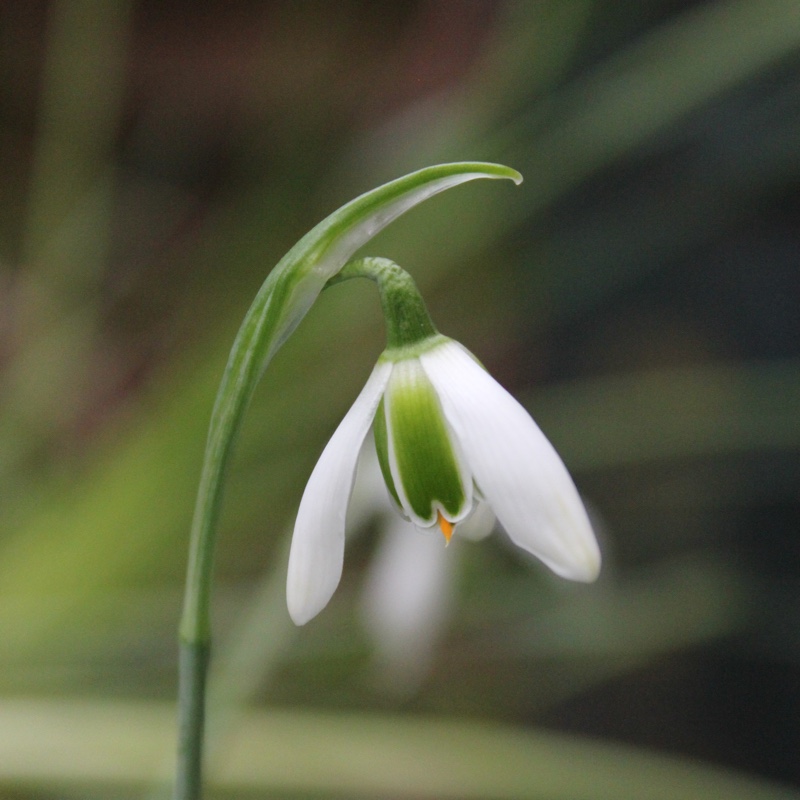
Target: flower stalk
x=407, y=318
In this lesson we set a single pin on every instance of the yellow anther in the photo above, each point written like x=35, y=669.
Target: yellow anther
x=446, y=526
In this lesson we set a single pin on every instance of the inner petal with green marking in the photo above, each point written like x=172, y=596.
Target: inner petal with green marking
x=419, y=460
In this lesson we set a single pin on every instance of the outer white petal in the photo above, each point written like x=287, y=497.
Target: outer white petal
x=515, y=467
x=315, y=559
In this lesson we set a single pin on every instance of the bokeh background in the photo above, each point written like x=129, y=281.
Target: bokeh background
x=639, y=293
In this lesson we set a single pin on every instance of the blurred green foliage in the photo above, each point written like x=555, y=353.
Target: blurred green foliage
x=639, y=292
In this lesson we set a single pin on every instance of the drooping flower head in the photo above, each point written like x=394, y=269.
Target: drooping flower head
x=448, y=437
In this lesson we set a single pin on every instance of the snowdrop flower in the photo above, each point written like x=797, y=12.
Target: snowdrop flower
x=407, y=600
x=448, y=438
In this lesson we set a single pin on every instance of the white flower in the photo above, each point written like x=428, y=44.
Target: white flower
x=406, y=602
x=448, y=436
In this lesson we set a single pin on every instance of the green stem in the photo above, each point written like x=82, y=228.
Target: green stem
x=193, y=669
x=252, y=349
x=407, y=318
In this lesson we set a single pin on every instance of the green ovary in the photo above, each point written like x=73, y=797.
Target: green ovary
x=425, y=464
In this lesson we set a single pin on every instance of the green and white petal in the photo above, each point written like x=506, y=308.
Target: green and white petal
x=317, y=553
x=429, y=475
x=516, y=469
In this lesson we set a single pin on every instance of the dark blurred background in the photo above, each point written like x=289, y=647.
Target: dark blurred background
x=639, y=292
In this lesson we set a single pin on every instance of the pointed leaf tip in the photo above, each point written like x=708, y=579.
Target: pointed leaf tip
x=483, y=169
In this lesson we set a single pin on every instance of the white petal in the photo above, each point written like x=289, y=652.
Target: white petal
x=370, y=497
x=479, y=524
x=516, y=468
x=315, y=559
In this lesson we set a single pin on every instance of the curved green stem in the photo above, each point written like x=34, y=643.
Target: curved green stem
x=407, y=318
x=280, y=305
